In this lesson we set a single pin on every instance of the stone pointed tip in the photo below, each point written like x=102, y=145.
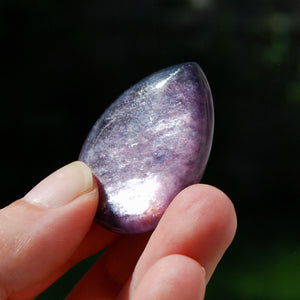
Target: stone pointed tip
x=190, y=63
x=188, y=66
x=191, y=70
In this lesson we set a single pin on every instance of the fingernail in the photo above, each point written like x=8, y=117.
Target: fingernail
x=62, y=186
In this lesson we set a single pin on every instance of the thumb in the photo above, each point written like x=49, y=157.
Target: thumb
x=40, y=232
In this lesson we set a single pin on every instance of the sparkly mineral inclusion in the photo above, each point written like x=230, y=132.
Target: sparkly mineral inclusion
x=152, y=142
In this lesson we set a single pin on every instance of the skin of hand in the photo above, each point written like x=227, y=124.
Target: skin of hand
x=51, y=229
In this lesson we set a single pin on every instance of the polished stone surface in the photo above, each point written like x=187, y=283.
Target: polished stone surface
x=151, y=143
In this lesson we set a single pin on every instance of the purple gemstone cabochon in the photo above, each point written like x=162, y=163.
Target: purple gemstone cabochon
x=151, y=143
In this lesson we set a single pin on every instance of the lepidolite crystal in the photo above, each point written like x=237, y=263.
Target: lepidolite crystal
x=151, y=143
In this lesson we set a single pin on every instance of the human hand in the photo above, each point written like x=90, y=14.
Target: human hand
x=51, y=229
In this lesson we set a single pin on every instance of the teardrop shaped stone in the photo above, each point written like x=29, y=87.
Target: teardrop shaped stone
x=151, y=143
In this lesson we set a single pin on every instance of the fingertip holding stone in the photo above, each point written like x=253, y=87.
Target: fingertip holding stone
x=151, y=143
x=62, y=186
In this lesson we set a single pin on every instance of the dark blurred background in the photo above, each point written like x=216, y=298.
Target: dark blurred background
x=64, y=62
